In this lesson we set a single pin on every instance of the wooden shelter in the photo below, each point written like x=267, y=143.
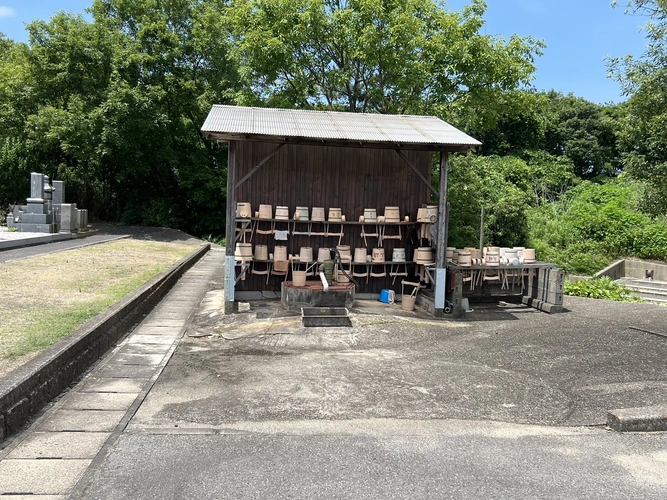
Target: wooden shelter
x=350, y=161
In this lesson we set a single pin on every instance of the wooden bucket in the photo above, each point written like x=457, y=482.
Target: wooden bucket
x=392, y=214
x=323, y=254
x=519, y=251
x=280, y=253
x=341, y=278
x=243, y=252
x=335, y=215
x=299, y=278
x=266, y=211
x=243, y=210
x=408, y=303
x=432, y=214
x=377, y=255
x=261, y=252
x=475, y=253
x=370, y=215
x=398, y=255
x=345, y=253
x=450, y=254
x=465, y=258
x=492, y=257
x=422, y=215
x=360, y=255
x=303, y=213
x=511, y=255
x=529, y=255
x=318, y=214
x=306, y=254
x=424, y=256
x=282, y=213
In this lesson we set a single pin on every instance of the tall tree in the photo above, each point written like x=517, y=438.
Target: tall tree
x=644, y=80
x=386, y=56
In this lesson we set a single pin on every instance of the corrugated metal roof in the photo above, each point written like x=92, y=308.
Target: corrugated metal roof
x=245, y=122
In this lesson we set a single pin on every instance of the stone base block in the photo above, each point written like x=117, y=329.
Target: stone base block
x=36, y=228
x=649, y=419
x=313, y=295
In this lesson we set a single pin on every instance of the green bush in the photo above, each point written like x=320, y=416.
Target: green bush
x=601, y=288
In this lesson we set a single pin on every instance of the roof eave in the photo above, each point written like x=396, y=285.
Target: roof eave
x=454, y=148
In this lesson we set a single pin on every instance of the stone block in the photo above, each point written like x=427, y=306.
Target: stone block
x=36, y=228
x=10, y=221
x=36, y=187
x=36, y=208
x=68, y=218
x=28, y=218
x=650, y=419
x=59, y=192
x=83, y=219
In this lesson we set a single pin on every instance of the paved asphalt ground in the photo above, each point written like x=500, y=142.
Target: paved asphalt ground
x=508, y=403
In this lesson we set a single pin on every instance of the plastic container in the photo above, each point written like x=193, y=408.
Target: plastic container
x=387, y=296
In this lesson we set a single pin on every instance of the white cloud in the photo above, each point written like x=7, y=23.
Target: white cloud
x=6, y=11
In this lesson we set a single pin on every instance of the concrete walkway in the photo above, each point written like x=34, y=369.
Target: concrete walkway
x=49, y=459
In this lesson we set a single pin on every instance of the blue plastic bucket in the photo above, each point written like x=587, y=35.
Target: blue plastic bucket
x=387, y=296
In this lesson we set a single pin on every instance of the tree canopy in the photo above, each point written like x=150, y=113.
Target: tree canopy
x=384, y=56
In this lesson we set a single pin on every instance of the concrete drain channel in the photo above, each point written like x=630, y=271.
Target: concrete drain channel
x=325, y=316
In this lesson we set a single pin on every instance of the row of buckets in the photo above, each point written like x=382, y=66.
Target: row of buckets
x=428, y=214
x=491, y=256
x=245, y=253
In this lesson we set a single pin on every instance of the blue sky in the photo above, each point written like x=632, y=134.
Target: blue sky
x=579, y=35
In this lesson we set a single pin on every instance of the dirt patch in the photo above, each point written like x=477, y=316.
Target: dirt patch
x=47, y=297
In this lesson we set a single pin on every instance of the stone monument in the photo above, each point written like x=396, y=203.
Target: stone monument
x=46, y=210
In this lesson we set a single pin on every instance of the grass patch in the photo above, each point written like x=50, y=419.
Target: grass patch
x=46, y=298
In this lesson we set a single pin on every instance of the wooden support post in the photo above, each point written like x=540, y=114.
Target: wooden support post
x=441, y=240
x=230, y=230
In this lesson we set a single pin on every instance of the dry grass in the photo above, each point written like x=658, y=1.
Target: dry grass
x=45, y=298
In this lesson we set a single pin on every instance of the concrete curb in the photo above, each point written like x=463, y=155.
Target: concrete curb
x=26, y=390
x=650, y=419
x=37, y=240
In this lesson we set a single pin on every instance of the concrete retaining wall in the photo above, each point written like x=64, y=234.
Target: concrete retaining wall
x=615, y=270
x=30, y=387
x=635, y=268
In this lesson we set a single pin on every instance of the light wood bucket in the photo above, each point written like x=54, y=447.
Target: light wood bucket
x=398, y=255
x=299, y=278
x=266, y=211
x=450, y=254
x=360, y=255
x=303, y=213
x=306, y=254
x=408, y=303
x=519, y=251
x=323, y=254
x=476, y=253
x=282, y=213
x=432, y=213
x=392, y=214
x=511, y=254
x=492, y=257
x=243, y=210
x=243, y=252
x=425, y=256
x=422, y=215
x=280, y=253
x=341, y=278
x=377, y=255
x=261, y=252
x=529, y=255
x=345, y=253
x=370, y=215
x=335, y=215
x=465, y=258
x=318, y=214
